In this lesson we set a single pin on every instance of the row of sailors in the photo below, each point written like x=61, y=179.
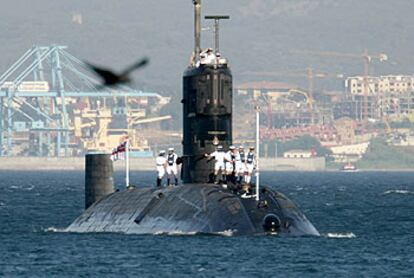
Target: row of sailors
x=167, y=165
x=235, y=165
x=208, y=57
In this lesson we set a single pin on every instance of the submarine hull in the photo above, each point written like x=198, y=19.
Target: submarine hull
x=193, y=208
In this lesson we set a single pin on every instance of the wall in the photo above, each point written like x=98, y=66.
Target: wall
x=147, y=164
x=293, y=164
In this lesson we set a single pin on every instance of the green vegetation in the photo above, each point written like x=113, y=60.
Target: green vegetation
x=403, y=123
x=383, y=156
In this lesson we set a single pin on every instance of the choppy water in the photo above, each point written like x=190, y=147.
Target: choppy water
x=367, y=222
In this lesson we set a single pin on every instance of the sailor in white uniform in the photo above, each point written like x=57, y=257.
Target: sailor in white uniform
x=207, y=57
x=219, y=165
x=161, y=162
x=172, y=168
x=230, y=160
x=250, y=165
x=240, y=164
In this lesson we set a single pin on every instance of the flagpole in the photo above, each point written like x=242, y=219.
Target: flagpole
x=127, y=164
x=257, y=152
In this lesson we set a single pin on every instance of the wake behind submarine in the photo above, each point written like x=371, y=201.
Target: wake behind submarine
x=197, y=206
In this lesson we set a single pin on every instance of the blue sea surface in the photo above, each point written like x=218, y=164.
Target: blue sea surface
x=366, y=220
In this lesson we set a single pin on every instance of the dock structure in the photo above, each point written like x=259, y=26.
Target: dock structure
x=50, y=102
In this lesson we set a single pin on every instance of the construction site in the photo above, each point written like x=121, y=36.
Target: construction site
x=343, y=122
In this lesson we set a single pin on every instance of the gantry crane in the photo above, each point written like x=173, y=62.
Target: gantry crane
x=40, y=94
x=367, y=59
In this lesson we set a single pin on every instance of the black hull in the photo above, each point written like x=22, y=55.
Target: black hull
x=193, y=208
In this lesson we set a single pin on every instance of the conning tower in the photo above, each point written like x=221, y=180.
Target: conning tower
x=207, y=101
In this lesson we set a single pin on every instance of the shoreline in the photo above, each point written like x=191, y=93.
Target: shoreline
x=148, y=164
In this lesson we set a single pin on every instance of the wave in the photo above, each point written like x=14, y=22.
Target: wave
x=27, y=188
x=181, y=233
x=176, y=233
x=54, y=230
x=226, y=233
x=398, y=191
x=340, y=235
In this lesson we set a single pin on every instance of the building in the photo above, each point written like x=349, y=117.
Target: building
x=380, y=84
x=388, y=95
x=345, y=128
x=283, y=104
x=299, y=154
x=349, y=153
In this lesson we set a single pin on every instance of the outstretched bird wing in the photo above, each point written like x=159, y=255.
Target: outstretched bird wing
x=107, y=75
x=141, y=63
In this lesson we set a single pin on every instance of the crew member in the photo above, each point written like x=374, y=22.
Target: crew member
x=230, y=160
x=161, y=162
x=250, y=165
x=172, y=168
x=219, y=165
x=240, y=164
x=207, y=57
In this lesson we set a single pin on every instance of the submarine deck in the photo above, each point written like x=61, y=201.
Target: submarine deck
x=191, y=208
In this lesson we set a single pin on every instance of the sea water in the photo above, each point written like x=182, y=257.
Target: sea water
x=366, y=220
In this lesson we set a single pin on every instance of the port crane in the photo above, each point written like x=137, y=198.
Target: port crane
x=52, y=105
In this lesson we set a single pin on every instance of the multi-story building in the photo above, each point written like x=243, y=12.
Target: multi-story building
x=381, y=84
x=387, y=95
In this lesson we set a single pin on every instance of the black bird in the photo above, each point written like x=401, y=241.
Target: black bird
x=111, y=79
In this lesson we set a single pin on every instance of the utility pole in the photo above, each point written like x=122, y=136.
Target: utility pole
x=310, y=91
x=257, y=152
x=367, y=60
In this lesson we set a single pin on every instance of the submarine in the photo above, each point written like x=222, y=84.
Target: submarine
x=198, y=206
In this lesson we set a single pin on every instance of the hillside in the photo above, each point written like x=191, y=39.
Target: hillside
x=383, y=156
x=258, y=37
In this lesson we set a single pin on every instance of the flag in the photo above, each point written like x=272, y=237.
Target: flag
x=119, y=152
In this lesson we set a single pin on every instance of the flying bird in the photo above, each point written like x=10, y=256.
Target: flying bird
x=110, y=78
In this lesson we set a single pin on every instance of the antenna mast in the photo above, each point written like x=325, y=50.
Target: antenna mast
x=197, y=29
x=217, y=19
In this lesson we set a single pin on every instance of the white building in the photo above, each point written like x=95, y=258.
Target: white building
x=382, y=84
x=349, y=153
x=353, y=149
x=298, y=154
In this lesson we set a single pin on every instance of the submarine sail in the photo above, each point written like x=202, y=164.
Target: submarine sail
x=207, y=103
x=207, y=107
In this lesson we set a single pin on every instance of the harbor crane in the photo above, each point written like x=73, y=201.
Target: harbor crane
x=51, y=104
